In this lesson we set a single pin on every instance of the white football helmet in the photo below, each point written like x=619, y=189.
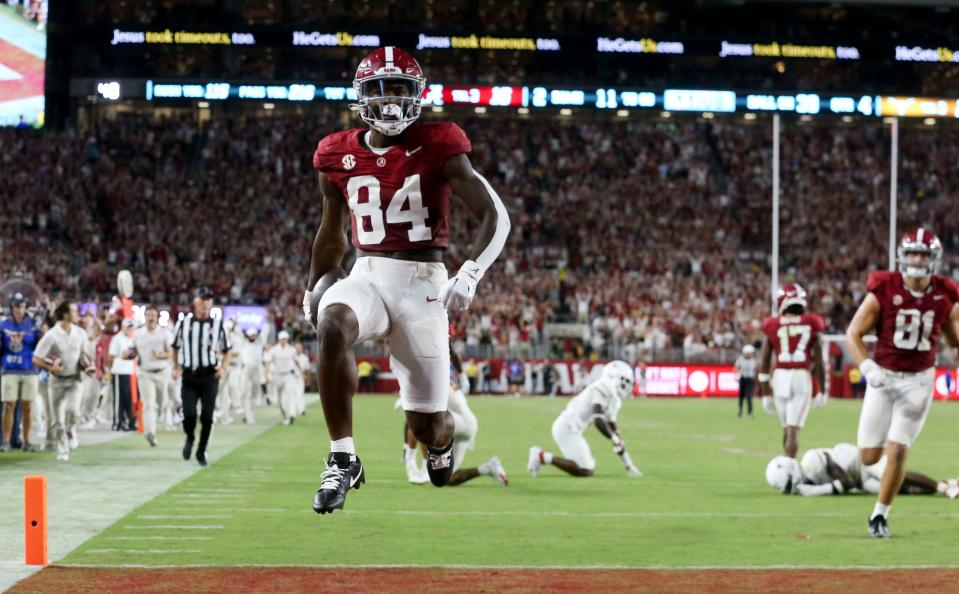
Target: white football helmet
x=813, y=465
x=619, y=375
x=784, y=474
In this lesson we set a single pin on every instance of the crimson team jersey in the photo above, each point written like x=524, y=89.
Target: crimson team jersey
x=398, y=200
x=907, y=330
x=792, y=338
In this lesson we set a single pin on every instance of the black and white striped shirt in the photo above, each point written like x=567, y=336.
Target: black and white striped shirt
x=200, y=343
x=746, y=366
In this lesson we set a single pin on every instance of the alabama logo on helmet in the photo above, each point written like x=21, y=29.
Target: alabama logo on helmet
x=919, y=241
x=389, y=85
x=790, y=294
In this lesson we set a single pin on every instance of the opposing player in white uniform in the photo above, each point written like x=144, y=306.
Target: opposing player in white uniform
x=282, y=361
x=302, y=374
x=599, y=403
x=839, y=469
x=251, y=356
x=464, y=438
x=229, y=394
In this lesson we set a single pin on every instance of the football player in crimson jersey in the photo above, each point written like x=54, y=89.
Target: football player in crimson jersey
x=392, y=183
x=793, y=337
x=906, y=309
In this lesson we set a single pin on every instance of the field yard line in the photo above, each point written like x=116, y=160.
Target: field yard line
x=150, y=551
x=138, y=538
x=184, y=517
x=421, y=512
x=176, y=527
x=877, y=568
x=75, y=505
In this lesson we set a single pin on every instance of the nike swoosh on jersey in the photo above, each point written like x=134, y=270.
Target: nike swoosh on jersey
x=410, y=153
x=432, y=299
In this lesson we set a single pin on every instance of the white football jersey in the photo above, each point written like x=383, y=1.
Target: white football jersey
x=846, y=456
x=579, y=412
x=283, y=359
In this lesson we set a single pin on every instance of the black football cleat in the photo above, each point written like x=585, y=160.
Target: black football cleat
x=439, y=465
x=340, y=476
x=878, y=528
x=201, y=458
x=187, y=449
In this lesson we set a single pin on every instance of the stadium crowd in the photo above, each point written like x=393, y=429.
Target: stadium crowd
x=652, y=233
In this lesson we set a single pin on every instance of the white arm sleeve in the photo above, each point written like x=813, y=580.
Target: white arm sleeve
x=492, y=251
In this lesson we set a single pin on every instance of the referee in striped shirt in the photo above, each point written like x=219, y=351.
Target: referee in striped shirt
x=746, y=368
x=201, y=349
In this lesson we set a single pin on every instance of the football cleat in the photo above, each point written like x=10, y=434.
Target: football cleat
x=339, y=476
x=878, y=528
x=417, y=476
x=187, y=448
x=201, y=458
x=152, y=439
x=535, y=461
x=497, y=471
x=439, y=465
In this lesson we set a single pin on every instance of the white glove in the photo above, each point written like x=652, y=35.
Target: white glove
x=768, y=405
x=820, y=400
x=874, y=374
x=458, y=292
x=307, y=299
x=632, y=472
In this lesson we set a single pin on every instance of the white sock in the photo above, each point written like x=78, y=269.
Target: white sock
x=484, y=468
x=343, y=445
x=881, y=509
x=546, y=457
x=941, y=487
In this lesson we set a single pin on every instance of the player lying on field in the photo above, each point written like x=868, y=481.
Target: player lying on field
x=838, y=470
x=598, y=403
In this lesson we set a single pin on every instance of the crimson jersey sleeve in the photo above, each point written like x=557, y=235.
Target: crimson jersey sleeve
x=878, y=279
x=330, y=151
x=449, y=140
x=770, y=325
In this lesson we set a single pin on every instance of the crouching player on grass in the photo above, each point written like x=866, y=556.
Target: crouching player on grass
x=598, y=403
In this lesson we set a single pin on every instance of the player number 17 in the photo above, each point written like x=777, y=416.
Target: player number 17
x=785, y=333
x=372, y=209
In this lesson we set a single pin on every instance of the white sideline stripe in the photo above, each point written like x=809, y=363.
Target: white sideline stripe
x=175, y=527
x=486, y=567
x=135, y=538
x=184, y=517
x=563, y=514
x=150, y=551
x=571, y=514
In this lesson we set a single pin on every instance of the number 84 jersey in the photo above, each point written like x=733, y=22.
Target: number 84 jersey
x=792, y=338
x=907, y=330
x=399, y=199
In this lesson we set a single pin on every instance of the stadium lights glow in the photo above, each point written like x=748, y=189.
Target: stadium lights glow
x=665, y=114
x=622, y=113
x=203, y=104
x=708, y=115
x=805, y=118
x=437, y=109
x=523, y=111
x=749, y=116
x=929, y=121
x=846, y=119
x=268, y=106
x=479, y=109
x=566, y=112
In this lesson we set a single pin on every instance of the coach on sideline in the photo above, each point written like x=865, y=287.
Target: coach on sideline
x=199, y=341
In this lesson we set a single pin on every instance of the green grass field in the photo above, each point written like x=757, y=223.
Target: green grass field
x=703, y=500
